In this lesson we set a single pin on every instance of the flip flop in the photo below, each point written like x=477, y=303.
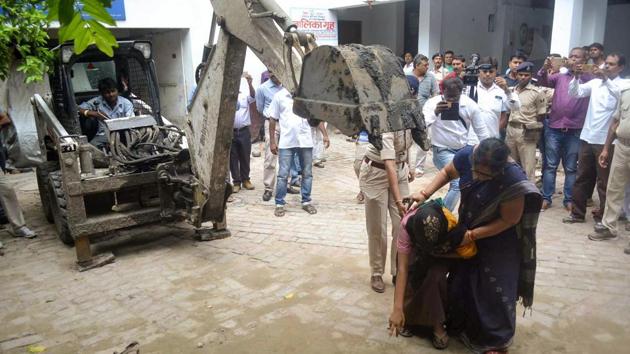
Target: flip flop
x=279, y=211
x=309, y=208
x=440, y=343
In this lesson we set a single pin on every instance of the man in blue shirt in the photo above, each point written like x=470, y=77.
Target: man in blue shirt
x=106, y=106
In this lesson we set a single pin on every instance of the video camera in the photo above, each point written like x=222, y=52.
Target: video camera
x=471, y=72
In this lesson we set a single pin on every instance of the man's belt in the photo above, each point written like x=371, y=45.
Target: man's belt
x=516, y=125
x=243, y=128
x=378, y=164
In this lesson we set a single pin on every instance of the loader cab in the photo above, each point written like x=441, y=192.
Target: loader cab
x=75, y=80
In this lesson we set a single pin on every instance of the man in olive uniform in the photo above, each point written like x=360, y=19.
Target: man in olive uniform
x=525, y=124
x=384, y=179
x=619, y=169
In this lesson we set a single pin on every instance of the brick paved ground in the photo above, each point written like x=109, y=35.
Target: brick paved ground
x=298, y=284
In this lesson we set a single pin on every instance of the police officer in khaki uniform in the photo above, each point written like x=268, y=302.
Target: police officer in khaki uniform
x=619, y=169
x=384, y=179
x=525, y=125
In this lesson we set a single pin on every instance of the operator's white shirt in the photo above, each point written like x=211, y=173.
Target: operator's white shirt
x=492, y=102
x=453, y=134
x=295, y=132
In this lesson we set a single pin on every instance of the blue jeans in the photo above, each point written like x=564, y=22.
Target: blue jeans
x=565, y=146
x=285, y=157
x=295, y=168
x=441, y=158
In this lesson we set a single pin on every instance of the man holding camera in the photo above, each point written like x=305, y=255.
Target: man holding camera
x=525, y=124
x=449, y=118
x=562, y=133
x=494, y=98
x=603, y=93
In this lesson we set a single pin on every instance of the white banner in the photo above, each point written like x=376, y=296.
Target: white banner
x=321, y=22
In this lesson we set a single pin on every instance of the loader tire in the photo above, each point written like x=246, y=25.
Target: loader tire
x=42, y=172
x=58, y=206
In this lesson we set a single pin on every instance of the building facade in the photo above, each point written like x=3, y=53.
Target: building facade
x=498, y=28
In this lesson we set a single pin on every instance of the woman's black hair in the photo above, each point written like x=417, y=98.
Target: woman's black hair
x=492, y=152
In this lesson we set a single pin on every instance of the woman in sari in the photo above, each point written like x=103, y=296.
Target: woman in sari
x=499, y=210
x=427, y=238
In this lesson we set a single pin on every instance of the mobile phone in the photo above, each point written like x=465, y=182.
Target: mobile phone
x=452, y=113
x=557, y=63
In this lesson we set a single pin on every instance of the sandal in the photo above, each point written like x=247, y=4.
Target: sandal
x=440, y=342
x=309, y=208
x=279, y=211
x=405, y=332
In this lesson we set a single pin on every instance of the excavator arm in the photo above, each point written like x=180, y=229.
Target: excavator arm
x=352, y=87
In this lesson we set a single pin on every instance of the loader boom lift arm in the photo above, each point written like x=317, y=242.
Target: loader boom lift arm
x=353, y=87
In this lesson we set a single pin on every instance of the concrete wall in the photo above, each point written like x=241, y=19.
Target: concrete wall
x=168, y=49
x=465, y=27
x=617, y=29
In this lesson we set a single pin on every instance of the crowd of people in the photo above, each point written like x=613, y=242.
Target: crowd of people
x=461, y=263
x=488, y=137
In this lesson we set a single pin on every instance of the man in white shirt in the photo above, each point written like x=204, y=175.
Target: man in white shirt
x=408, y=67
x=604, y=93
x=242, y=140
x=494, y=98
x=449, y=128
x=438, y=70
x=295, y=138
x=264, y=95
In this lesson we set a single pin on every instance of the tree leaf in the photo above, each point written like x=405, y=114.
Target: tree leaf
x=103, y=31
x=83, y=39
x=66, y=11
x=69, y=31
x=95, y=9
x=53, y=10
x=104, y=46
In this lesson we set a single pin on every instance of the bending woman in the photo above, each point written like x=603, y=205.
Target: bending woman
x=428, y=236
x=499, y=208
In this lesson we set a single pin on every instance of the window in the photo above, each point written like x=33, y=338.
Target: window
x=85, y=76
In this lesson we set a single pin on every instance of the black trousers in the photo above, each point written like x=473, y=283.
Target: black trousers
x=590, y=175
x=240, y=153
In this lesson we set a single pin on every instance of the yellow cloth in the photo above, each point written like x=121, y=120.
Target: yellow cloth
x=467, y=251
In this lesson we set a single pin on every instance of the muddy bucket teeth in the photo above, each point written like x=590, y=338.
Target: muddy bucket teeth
x=357, y=87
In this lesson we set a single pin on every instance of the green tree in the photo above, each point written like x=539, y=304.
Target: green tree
x=24, y=37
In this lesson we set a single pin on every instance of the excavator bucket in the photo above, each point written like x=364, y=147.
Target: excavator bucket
x=357, y=87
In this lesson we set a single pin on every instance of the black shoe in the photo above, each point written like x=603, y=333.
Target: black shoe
x=602, y=236
x=599, y=227
x=292, y=190
x=572, y=220
x=267, y=196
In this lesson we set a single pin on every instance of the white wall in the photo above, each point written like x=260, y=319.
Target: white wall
x=196, y=16
x=168, y=53
x=465, y=27
x=383, y=24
